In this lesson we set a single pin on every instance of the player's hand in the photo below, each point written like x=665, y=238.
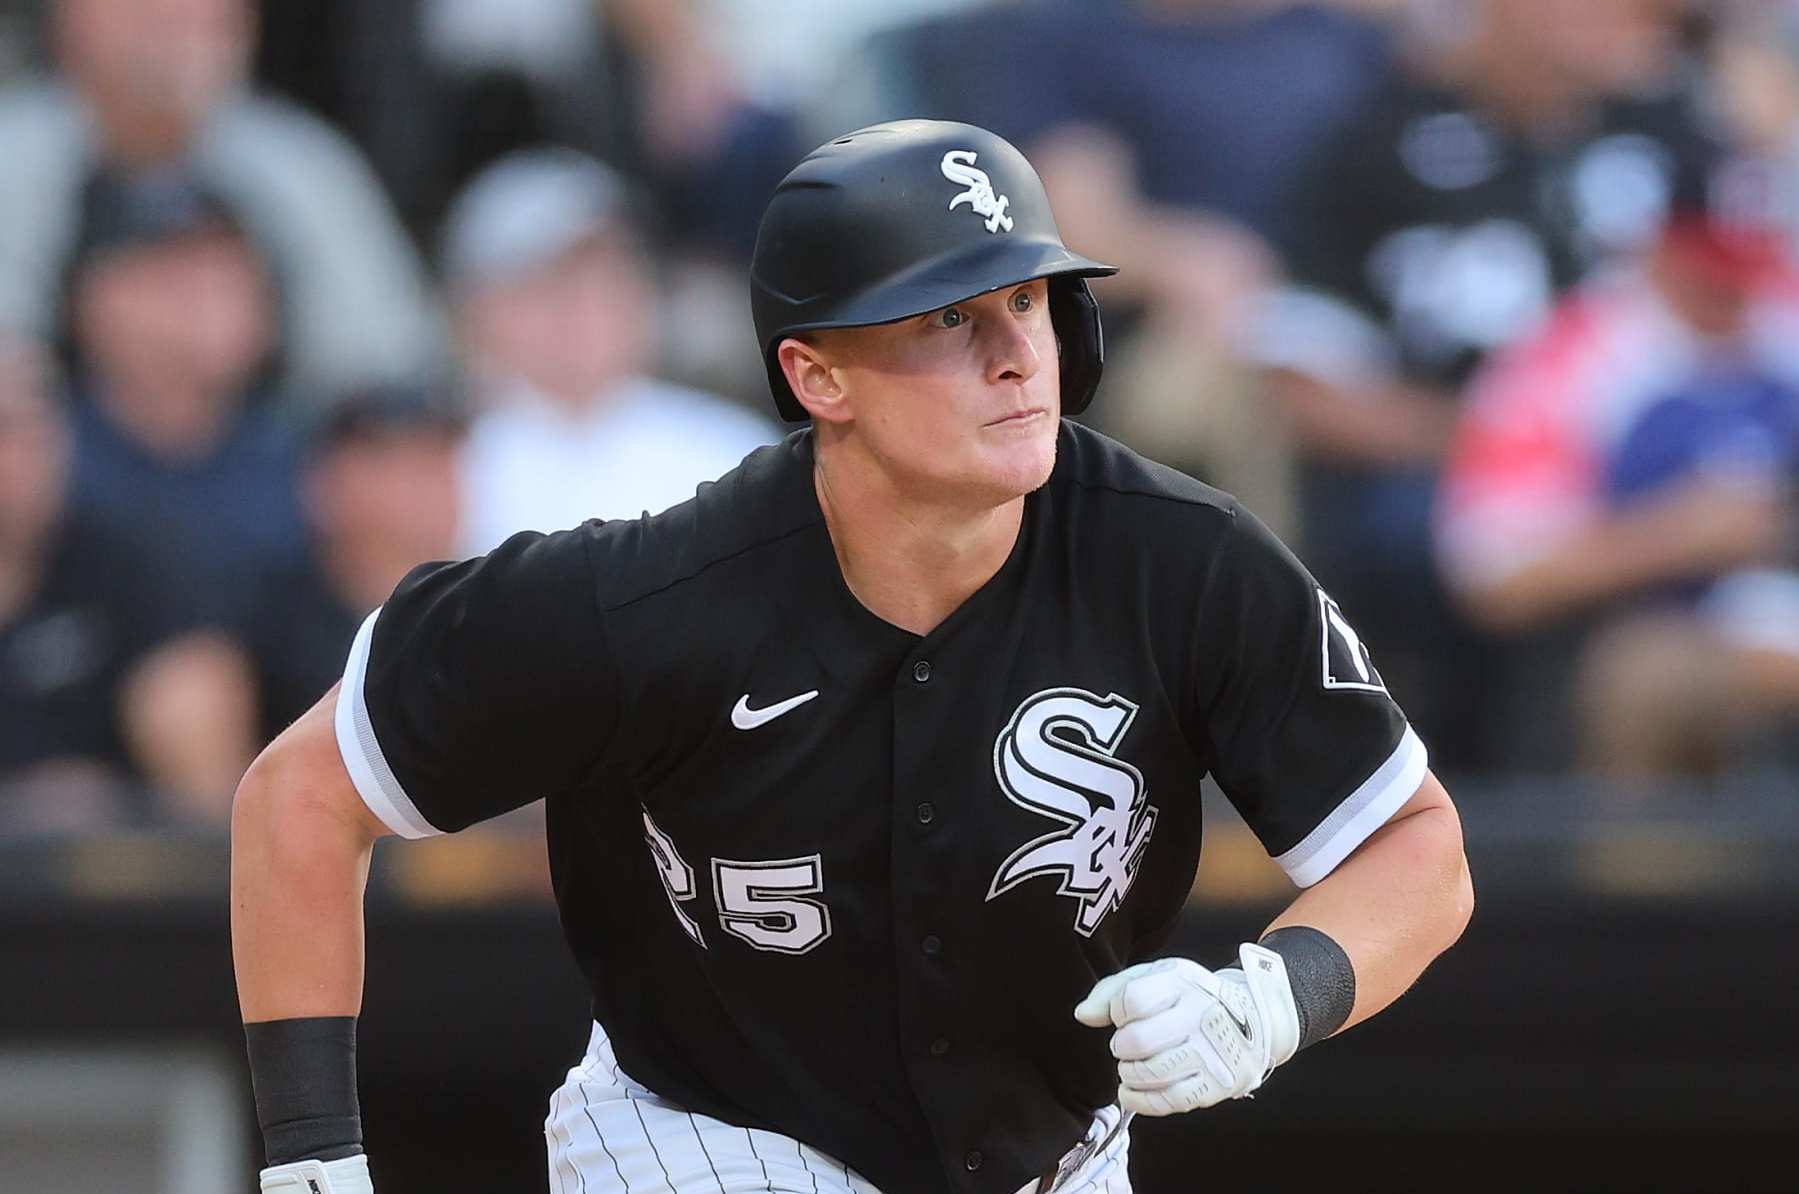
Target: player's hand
x=349, y=1175
x=1188, y=1037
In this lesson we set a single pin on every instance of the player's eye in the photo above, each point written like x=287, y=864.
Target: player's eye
x=948, y=317
x=1023, y=300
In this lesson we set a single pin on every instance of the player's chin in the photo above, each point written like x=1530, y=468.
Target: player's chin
x=1021, y=463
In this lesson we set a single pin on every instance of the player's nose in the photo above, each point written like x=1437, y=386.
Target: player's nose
x=1011, y=354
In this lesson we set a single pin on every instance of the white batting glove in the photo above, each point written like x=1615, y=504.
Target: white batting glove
x=348, y=1175
x=1188, y=1037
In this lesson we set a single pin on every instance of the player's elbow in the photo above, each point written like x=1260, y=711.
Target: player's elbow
x=1461, y=902
x=296, y=794
x=1452, y=896
x=265, y=795
x=1432, y=845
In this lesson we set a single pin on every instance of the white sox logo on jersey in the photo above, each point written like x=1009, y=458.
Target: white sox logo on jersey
x=958, y=167
x=1058, y=757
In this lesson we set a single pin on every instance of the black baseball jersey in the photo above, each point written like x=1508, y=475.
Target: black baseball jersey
x=842, y=882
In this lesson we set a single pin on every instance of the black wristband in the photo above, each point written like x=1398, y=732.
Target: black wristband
x=1322, y=979
x=304, y=1075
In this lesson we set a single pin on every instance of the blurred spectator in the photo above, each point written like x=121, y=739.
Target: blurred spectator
x=99, y=697
x=444, y=88
x=710, y=151
x=1634, y=464
x=652, y=86
x=149, y=84
x=380, y=492
x=1517, y=147
x=173, y=311
x=557, y=317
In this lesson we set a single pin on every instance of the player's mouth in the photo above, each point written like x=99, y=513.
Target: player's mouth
x=1020, y=418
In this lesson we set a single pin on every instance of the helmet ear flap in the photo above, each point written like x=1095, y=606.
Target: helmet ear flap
x=1074, y=314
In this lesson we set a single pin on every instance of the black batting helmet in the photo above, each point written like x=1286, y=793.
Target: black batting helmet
x=898, y=219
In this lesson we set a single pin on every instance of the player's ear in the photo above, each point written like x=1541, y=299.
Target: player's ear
x=807, y=367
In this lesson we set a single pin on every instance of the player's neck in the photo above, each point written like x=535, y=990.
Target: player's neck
x=911, y=563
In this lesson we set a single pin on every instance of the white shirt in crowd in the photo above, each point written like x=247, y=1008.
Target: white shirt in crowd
x=533, y=465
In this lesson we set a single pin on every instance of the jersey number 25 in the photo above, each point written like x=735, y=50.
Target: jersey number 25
x=764, y=903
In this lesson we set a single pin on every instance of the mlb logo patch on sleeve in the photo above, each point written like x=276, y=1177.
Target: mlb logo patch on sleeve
x=1345, y=657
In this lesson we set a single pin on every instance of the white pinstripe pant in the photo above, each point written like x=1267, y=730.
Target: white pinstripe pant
x=610, y=1134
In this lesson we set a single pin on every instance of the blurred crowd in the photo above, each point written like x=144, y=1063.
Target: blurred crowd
x=1490, y=307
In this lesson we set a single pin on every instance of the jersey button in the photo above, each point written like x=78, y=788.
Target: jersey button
x=971, y=1161
x=931, y=946
x=939, y=1047
x=927, y=812
x=921, y=671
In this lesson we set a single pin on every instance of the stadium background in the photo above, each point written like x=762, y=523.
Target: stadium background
x=198, y=507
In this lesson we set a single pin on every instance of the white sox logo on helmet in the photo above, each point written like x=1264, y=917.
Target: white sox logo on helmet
x=1057, y=756
x=958, y=167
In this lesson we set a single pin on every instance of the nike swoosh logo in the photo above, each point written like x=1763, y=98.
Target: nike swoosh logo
x=1242, y=1024
x=746, y=718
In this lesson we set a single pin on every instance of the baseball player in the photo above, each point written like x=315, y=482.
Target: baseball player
x=872, y=772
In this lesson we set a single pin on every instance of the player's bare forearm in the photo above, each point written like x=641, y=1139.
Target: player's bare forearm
x=1400, y=900
x=300, y=844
